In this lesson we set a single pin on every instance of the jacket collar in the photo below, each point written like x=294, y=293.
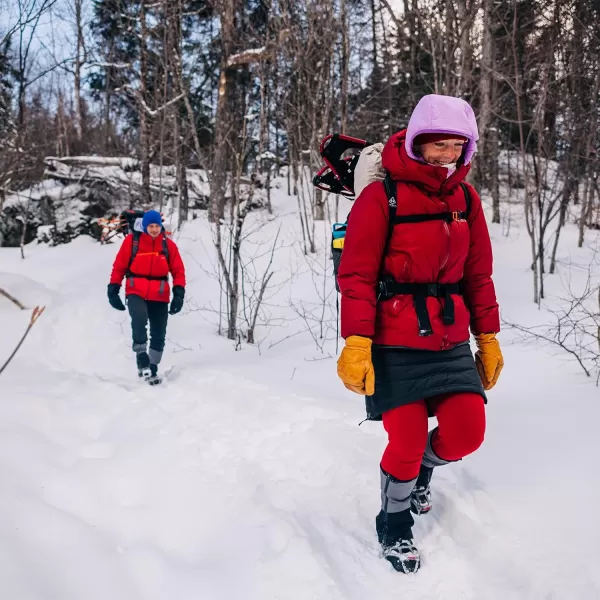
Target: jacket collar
x=401, y=167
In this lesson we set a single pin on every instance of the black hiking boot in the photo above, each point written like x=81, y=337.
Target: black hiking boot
x=420, y=499
x=153, y=378
x=394, y=531
x=143, y=364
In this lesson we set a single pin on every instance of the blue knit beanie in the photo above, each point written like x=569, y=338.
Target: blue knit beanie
x=150, y=217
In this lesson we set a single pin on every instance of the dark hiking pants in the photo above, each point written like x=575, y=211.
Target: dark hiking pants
x=141, y=312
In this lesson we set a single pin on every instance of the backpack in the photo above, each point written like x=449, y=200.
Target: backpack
x=339, y=229
x=338, y=177
x=135, y=246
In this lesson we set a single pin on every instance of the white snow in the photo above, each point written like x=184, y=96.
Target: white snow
x=47, y=188
x=245, y=56
x=245, y=475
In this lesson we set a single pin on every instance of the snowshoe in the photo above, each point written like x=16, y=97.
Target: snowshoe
x=420, y=499
x=153, y=378
x=337, y=176
x=143, y=364
x=394, y=531
x=145, y=373
x=403, y=556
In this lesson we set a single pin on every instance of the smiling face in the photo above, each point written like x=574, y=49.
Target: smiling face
x=153, y=229
x=441, y=153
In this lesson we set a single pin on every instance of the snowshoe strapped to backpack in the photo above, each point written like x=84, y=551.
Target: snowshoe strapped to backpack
x=128, y=218
x=337, y=176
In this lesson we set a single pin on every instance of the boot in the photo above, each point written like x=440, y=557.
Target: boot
x=394, y=531
x=143, y=364
x=420, y=499
x=153, y=378
x=394, y=524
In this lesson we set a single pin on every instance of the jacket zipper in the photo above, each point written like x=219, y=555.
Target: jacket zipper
x=151, y=265
x=447, y=231
x=444, y=342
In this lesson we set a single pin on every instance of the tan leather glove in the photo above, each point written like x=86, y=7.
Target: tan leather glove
x=488, y=359
x=355, y=367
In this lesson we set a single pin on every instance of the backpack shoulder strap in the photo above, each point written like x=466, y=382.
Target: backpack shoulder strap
x=135, y=244
x=390, y=191
x=468, y=199
x=165, y=247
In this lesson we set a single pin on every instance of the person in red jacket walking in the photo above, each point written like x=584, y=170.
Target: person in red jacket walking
x=145, y=260
x=408, y=303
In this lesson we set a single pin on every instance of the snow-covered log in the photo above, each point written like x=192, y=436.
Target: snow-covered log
x=77, y=190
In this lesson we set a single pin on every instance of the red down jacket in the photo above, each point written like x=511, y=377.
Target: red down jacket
x=149, y=261
x=433, y=251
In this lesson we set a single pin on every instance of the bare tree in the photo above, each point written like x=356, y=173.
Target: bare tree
x=576, y=326
x=142, y=98
x=229, y=250
x=74, y=13
x=488, y=162
x=29, y=17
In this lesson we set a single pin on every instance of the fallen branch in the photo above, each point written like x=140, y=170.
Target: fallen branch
x=11, y=298
x=37, y=313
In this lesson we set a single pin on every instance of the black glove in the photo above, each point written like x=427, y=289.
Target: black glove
x=113, y=296
x=177, y=301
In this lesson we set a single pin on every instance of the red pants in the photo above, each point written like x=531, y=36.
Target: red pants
x=461, y=427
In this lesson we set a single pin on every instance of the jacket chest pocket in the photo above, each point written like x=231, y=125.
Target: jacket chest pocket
x=461, y=240
x=160, y=265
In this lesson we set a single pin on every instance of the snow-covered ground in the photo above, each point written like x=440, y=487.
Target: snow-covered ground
x=245, y=475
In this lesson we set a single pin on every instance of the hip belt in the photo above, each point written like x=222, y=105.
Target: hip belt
x=388, y=288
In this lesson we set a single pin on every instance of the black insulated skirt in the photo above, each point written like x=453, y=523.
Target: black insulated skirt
x=404, y=375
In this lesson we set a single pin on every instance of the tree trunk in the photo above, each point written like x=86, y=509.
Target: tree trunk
x=374, y=34
x=79, y=126
x=62, y=142
x=345, y=68
x=182, y=187
x=488, y=161
x=562, y=218
x=529, y=210
x=466, y=51
x=107, y=99
x=143, y=115
x=492, y=161
x=413, y=34
x=264, y=132
x=319, y=208
x=22, y=104
x=223, y=119
x=175, y=52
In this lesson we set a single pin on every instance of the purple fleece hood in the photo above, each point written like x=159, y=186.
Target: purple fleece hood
x=443, y=114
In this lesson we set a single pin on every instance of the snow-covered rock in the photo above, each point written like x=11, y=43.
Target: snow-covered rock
x=78, y=190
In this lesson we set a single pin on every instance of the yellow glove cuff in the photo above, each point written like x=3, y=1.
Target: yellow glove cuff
x=358, y=341
x=485, y=338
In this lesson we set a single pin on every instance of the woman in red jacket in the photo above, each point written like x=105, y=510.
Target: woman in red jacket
x=145, y=260
x=408, y=302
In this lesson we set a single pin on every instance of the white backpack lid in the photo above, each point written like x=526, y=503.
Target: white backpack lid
x=368, y=168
